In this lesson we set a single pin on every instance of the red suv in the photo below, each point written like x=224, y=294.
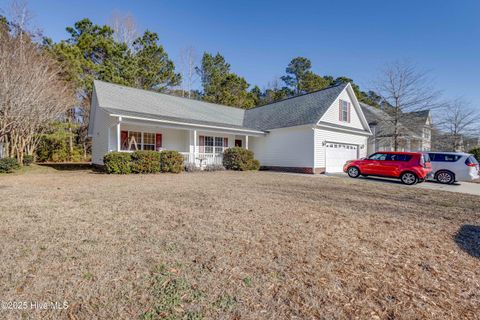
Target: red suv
x=410, y=167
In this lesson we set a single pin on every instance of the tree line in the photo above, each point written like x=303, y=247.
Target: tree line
x=47, y=86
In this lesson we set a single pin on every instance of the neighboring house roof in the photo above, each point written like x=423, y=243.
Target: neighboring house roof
x=304, y=109
x=300, y=110
x=384, y=122
x=415, y=120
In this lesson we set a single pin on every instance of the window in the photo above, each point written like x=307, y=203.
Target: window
x=132, y=141
x=208, y=144
x=378, y=156
x=344, y=111
x=398, y=157
x=218, y=144
x=444, y=157
x=471, y=162
x=148, y=141
x=213, y=144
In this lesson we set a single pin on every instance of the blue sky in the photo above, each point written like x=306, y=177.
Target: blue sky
x=259, y=38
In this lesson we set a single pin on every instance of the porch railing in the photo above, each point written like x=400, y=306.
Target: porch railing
x=202, y=159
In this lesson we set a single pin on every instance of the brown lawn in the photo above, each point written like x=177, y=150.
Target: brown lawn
x=232, y=245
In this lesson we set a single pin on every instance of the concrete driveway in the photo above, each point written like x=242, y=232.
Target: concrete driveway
x=461, y=187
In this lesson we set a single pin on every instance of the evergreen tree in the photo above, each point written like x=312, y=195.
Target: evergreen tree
x=222, y=86
x=296, y=70
x=153, y=69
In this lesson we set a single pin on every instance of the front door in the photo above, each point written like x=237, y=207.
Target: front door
x=238, y=143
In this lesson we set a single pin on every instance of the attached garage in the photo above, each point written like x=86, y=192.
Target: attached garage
x=336, y=154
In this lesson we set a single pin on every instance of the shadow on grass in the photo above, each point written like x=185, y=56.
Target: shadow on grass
x=468, y=239
x=82, y=166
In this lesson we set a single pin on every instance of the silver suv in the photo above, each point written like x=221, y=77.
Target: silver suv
x=448, y=167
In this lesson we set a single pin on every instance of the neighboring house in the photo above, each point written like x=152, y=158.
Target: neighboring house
x=310, y=133
x=414, y=129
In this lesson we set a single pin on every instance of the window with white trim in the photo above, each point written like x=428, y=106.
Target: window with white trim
x=148, y=141
x=214, y=144
x=136, y=140
x=344, y=105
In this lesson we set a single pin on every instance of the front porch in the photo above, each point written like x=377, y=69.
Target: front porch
x=199, y=145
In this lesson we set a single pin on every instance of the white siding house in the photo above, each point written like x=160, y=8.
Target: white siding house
x=310, y=133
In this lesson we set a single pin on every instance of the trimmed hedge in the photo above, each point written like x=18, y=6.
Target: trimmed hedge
x=171, y=161
x=240, y=159
x=7, y=165
x=145, y=162
x=117, y=162
x=476, y=153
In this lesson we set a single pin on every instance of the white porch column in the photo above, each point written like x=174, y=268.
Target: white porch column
x=246, y=142
x=118, y=133
x=194, y=146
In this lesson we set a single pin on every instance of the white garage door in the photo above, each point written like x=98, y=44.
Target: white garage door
x=337, y=154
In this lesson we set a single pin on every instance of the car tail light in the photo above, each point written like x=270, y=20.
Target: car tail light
x=471, y=162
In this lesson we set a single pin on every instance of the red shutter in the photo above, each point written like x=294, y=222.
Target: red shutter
x=124, y=140
x=201, y=148
x=340, y=110
x=348, y=111
x=225, y=143
x=158, y=141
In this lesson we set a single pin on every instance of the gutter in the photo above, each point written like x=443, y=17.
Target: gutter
x=189, y=124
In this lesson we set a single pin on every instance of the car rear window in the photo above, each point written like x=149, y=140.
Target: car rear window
x=444, y=157
x=470, y=160
x=398, y=157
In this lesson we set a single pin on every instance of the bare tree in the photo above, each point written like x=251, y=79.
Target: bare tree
x=124, y=27
x=457, y=121
x=405, y=89
x=188, y=63
x=32, y=92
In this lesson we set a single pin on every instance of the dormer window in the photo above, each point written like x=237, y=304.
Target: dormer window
x=344, y=111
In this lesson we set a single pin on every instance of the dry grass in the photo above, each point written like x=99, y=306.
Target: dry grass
x=232, y=245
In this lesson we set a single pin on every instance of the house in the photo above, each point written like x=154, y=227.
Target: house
x=310, y=133
x=414, y=129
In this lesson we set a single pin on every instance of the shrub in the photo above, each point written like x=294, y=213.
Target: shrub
x=476, y=153
x=145, y=162
x=254, y=165
x=191, y=167
x=7, y=165
x=171, y=161
x=27, y=160
x=237, y=158
x=117, y=162
x=214, y=167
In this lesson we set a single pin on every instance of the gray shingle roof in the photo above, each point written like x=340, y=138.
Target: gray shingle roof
x=143, y=102
x=384, y=122
x=299, y=110
x=127, y=113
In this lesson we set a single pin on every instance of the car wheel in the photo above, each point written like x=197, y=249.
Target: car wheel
x=353, y=172
x=445, y=177
x=409, y=178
